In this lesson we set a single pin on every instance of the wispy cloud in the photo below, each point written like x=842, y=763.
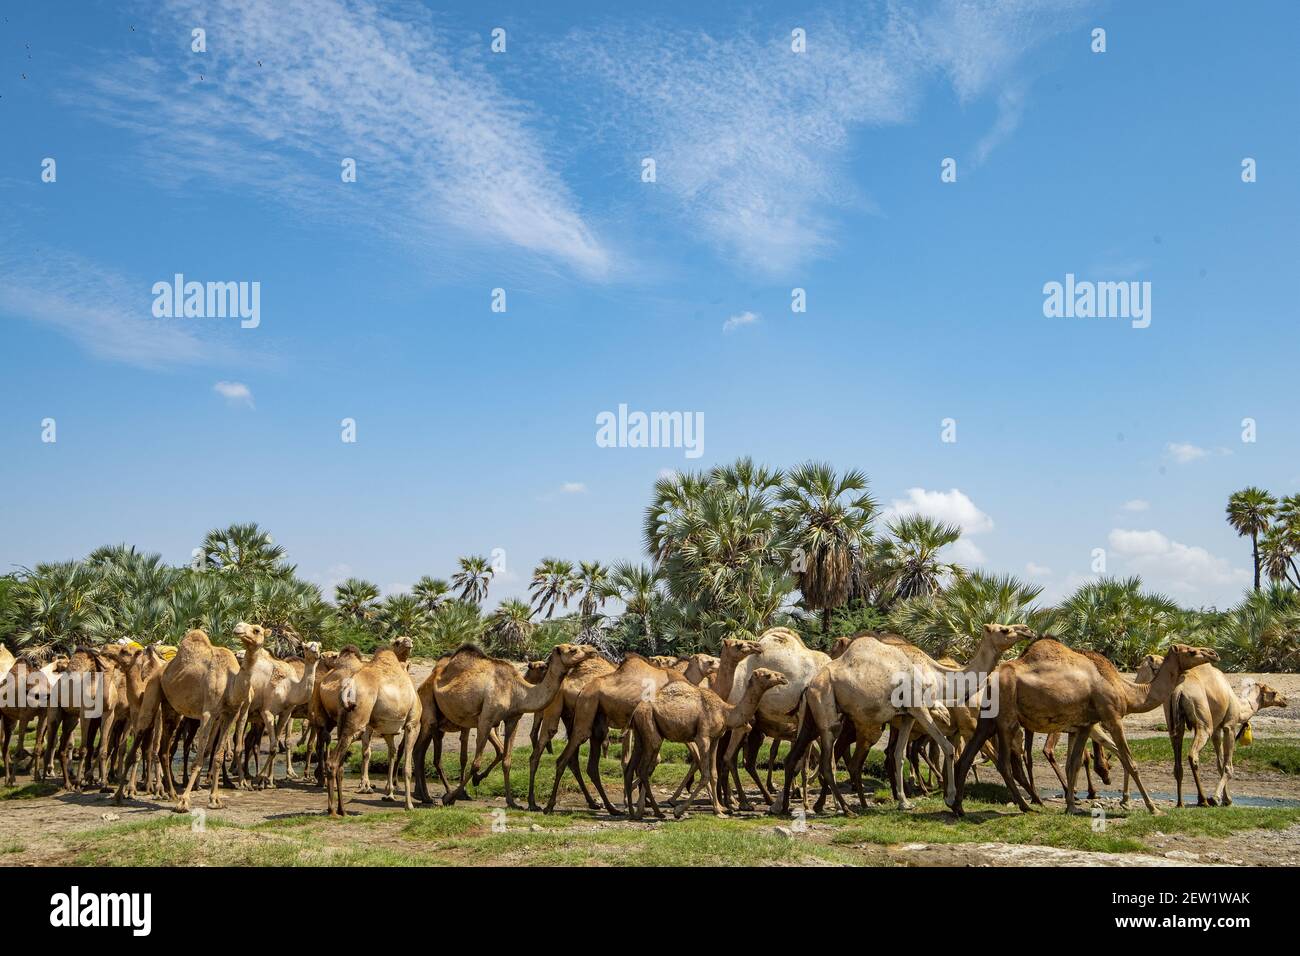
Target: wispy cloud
x=573, y=488
x=1165, y=563
x=749, y=137
x=739, y=320
x=1137, y=504
x=106, y=313
x=1184, y=453
x=305, y=83
x=236, y=393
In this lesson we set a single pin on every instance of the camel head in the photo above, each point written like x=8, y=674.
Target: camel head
x=311, y=651
x=1146, y=671
x=767, y=678
x=738, y=648
x=570, y=655
x=252, y=636
x=1189, y=657
x=402, y=647
x=1252, y=690
x=536, y=671
x=840, y=646
x=1006, y=635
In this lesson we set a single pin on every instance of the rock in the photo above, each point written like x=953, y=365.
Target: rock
x=1181, y=855
x=785, y=832
x=536, y=828
x=110, y=817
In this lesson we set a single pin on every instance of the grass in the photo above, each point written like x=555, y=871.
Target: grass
x=29, y=791
x=1276, y=754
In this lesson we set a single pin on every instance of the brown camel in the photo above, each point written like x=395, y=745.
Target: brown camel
x=289, y=688
x=1053, y=688
x=25, y=694
x=697, y=717
x=325, y=707
x=197, y=685
x=607, y=701
x=380, y=698
x=472, y=691
x=144, y=698
x=1206, y=703
x=561, y=708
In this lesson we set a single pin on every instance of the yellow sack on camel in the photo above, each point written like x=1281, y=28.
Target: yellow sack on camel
x=1247, y=738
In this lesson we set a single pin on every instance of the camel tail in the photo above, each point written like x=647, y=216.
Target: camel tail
x=348, y=695
x=1179, y=713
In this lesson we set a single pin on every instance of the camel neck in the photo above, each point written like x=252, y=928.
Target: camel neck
x=1144, y=697
x=743, y=712
x=539, y=696
x=721, y=682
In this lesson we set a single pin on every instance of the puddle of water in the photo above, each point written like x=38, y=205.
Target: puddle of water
x=1135, y=798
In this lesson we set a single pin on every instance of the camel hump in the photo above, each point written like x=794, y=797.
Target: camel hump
x=782, y=635
x=197, y=635
x=348, y=694
x=470, y=649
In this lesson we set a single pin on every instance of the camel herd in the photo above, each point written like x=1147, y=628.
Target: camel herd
x=150, y=702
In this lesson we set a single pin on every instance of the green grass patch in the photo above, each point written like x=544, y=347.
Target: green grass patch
x=29, y=791
x=1275, y=754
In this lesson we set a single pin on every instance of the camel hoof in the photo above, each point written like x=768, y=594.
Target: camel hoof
x=1227, y=800
x=1157, y=812
x=902, y=805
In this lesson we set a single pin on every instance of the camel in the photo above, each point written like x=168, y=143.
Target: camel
x=1053, y=688
x=607, y=701
x=696, y=716
x=91, y=697
x=257, y=670
x=6, y=661
x=1205, y=702
x=144, y=698
x=874, y=682
x=561, y=708
x=197, y=685
x=472, y=691
x=780, y=650
x=289, y=688
x=324, y=710
x=25, y=693
x=378, y=697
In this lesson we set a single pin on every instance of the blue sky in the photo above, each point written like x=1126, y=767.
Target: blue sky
x=522, y=171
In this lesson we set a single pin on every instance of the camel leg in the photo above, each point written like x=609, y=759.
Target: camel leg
x=482, y=736
x=541, y=734
x=751, y=768
x=1049, y=752
x=438, y=738
x=408, y=747
x=6, y=734
x=771, y=761
x=985, y=728
x=1087, y=774
x=1116, y=729
x=334, y=772
x=366, y=786
x=857, y=758
x=698, y=755
x=390, y=746
x=1199, y=736
x=266, y=778
x=598, y=733
x=1078, y=740
x=205, y=733
x=1224, y=751
x=1175, y=741
x=508, y=739
x=495, y=740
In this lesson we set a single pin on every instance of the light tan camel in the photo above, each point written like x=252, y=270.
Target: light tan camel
x=144, y=697
x=561, y=708
x=1206, y=703
x=196, y=684
x=473, y=691
x=697, y=717
x=1053, y=688
x=257, y=669
x=25, y=694
x=380, y=698
x=289, y=688
x=90, y=697
x=607, y=701
x=874, y=682
x=783, y=651
x=325, y=708
x=6, y=661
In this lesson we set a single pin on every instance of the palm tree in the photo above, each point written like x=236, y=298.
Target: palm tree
x=592, y=578
x=1118, y=620
x=511, y=629
x=357, y=600
x=910, y=559
x=456, y=623
x=473, y=578
x=952, y=621
x=637, y=586
x=553, y=582
x=1249, y=511
x=431, y=593
x=828, y=520
x=401, y=615
x=243, y=548
x=1277, y=550
x=1263, y=632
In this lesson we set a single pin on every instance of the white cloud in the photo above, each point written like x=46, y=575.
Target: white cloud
x=236, y=393
x=1168, y=564
x=1037, y=570
x=573, y=488
x=750, y=139
x=1137, y=504
x=1184, y=452
x=950, y=507
x=292, y=85
x=738, y=320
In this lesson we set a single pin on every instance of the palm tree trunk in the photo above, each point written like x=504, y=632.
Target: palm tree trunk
x=826, y=622
x=1254, y=551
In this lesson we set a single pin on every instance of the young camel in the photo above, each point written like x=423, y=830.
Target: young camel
x=472, y=691
x=144, y=697
x=196, y=684
x=607, y=701
x=697, y=717
x=378, y=698
x=1205, y=702
x=872, y=683
x=290, y=687
x=1053, y=688
x=547, y=722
